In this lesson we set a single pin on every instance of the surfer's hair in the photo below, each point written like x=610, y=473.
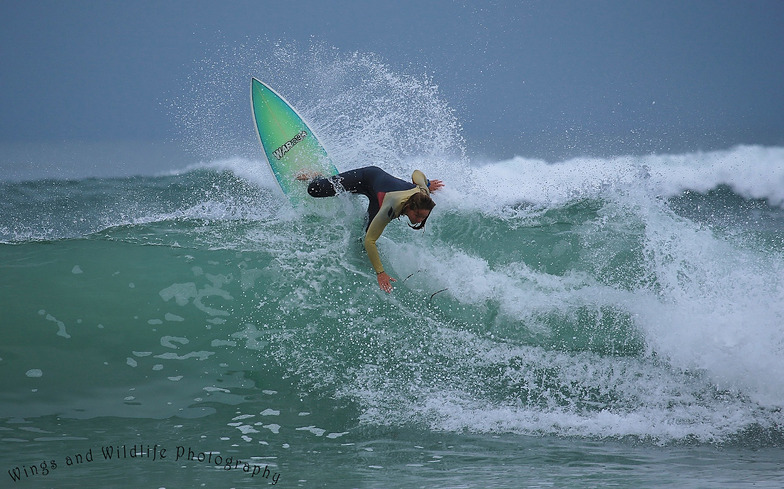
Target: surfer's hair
x=416, y=202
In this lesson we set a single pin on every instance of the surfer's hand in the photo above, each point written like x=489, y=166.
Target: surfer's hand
x=384, y=281
x=435, y=185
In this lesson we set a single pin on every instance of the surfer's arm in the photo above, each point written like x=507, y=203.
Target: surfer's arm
x=374, y=231
x=421, y=181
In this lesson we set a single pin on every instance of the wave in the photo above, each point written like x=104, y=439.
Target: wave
x=636, y=296
x=753, y=172
x=229, y=188
x=587, y=305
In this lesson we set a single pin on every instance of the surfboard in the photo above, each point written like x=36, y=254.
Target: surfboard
x=289, y=145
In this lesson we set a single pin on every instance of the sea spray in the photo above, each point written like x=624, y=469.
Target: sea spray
x=363, y=111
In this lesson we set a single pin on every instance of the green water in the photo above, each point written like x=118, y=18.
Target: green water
x=610, y=340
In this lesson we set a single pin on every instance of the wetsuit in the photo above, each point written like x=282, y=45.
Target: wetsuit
x=386, y=194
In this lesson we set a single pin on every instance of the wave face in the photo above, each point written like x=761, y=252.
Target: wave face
x=595, y=298
x=631, y=298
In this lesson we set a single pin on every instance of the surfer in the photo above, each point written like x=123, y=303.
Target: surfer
x=389, y=198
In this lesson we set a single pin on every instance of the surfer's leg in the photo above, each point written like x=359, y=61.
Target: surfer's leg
x=360, y=181
x=355, y=181
x=322, y=187
x=365, y=181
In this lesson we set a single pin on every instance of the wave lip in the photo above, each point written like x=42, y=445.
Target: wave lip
x=753, y=172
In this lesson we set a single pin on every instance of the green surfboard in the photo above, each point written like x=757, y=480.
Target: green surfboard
x=289, y=145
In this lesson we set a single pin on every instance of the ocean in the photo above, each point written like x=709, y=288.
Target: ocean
x=589, y=323
x=613, y=321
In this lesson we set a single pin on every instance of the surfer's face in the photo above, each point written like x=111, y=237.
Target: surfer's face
x=417, y=216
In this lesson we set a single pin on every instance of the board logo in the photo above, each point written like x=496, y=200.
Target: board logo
x=281, y=152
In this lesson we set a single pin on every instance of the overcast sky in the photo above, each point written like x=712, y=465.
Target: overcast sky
x=676, y=74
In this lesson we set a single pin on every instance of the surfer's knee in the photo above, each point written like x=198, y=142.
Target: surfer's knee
x=314, y=189
x=321, y=187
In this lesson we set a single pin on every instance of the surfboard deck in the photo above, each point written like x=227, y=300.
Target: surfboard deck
x=289, y=145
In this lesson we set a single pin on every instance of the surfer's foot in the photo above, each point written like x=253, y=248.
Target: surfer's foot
x=307, y=177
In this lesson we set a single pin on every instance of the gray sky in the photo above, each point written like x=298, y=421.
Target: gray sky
x=531, y=78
